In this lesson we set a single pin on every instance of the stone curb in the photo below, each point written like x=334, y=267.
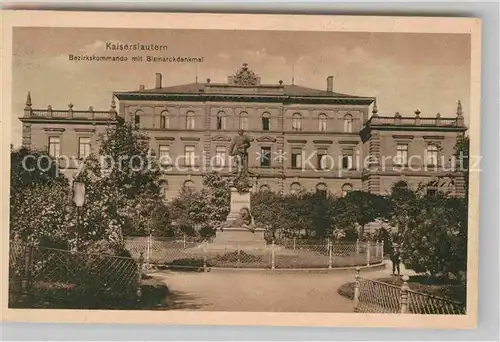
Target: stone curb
x=297, y=270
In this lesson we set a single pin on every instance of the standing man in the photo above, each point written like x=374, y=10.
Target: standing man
x=239, y=149
x=396, y=259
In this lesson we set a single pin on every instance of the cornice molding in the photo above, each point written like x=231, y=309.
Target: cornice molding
x=265, y=139
x=54, y=129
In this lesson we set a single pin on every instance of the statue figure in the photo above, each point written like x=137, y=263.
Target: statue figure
x=239, y=149
x=244, y=220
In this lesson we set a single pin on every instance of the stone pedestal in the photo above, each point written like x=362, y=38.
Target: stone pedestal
x=233, y=236
x=239, y=200
x=232, y=239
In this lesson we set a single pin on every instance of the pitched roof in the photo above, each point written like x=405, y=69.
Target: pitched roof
x=220, y=89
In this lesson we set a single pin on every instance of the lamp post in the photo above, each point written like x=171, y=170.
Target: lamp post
x=79, y=200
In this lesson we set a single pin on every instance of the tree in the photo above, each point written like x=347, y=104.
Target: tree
x=42, y=214
x=219, y=197
x=435, y=239
x=122, y=185
x=366, y=207
x=191, y=210
x=29, y=167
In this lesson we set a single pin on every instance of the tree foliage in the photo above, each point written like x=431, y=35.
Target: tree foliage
x=122, y=187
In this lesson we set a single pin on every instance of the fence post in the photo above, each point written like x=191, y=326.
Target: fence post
x=239, y=261
x=377, y=250
x=368, y=253
x=294, y=243
x=139, y=277
x=357, y=246
x=26, y=280
x=330, y=247
x=404, y=295
x=148, y=250
x=272, y=256
x=357, y=277
x=184, y=241
x=382, y=252
x=205, y=256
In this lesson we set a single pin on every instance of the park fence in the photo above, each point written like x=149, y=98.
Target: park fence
x=190, y=253
x=54, y=278
x=372, y=296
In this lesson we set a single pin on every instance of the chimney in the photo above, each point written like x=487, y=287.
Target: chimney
x=158, y=81
x=329, y=84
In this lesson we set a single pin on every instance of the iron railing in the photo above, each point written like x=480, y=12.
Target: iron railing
x=372, y=296
x=49, y=277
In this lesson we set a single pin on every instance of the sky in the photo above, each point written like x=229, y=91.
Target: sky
x=405, y=71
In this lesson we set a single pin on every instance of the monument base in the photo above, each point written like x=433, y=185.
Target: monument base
x=238, y=239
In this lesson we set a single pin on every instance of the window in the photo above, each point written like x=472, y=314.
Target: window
x=221, y=121
x=321, y=161
x=346, y=189
x=347, y=160
x=84, y=147
x=190, y=120
x=297, y=122
x=266, y=122
x=189, y=156
x=164, y=188
x=188, y=184
x=402, y=154
x=322, y=122
x=296, y=158
x=265, y=157
x=137, y=120
x=244, y=121
x=321, y=188
x=264, y=188
x=432, y=155
x=220, y=156
x=348, y=123
x=164, y=120
x=164, y=155
x=295, y=188
x=54, y=147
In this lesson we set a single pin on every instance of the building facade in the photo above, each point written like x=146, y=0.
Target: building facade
x=303, y=138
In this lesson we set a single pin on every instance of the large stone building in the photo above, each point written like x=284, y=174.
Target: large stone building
x=303, y=138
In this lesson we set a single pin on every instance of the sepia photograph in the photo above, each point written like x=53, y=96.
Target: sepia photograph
x=273, y=169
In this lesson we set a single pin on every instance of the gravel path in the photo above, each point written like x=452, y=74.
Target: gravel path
x=261, y=290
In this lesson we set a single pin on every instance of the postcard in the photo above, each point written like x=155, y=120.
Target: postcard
x=240, y=169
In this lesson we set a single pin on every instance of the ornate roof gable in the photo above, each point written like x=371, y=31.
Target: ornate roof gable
x=245, y=77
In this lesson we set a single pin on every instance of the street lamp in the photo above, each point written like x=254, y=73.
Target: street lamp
x=79, y=200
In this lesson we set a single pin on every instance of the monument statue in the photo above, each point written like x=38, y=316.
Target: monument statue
x=239, y=149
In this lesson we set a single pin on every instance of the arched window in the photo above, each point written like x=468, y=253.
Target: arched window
x=266, y=121
x=164, y=119
x=348, y=123
x=221, y=120
x=244, y=121
x=321, y=188
x=190, y=120
x=297, y=122
x=164, y=188
x=346, y=188
x=264, y=188
x=295, y=188
x=137, y=118
x=188, y=184
x=322, y=122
